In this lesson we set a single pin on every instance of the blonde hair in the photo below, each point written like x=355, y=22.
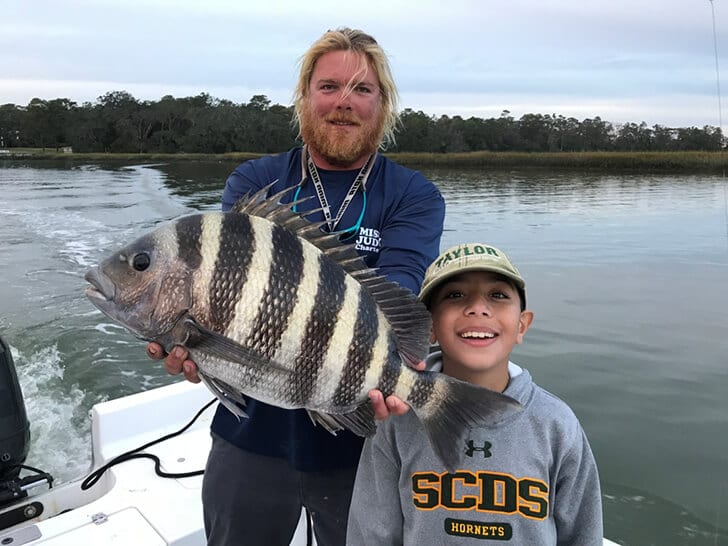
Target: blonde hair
x=346, y=39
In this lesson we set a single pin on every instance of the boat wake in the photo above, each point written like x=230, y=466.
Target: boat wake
x=59, y=427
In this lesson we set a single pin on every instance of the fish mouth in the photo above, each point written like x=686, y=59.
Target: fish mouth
x=102, y=290
x=102, y=294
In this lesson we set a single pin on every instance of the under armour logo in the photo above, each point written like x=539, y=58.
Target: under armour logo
x=470, y=449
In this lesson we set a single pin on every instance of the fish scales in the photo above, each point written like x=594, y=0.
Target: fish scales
x=276, y=304
x=188, y=233
x=202, y=277
x=382, y=353
x=280, y=294
x=315, y=379
x=389, y=375
x=359, y=357
x=420, y=392
x=271, y=319
x=223, y=283
x=231, y=267
x=331, y=372
x=248, y=265
x=251, y=291
x=271, y=307
x=323, y=312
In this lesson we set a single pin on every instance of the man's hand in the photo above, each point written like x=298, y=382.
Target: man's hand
x=383, y=409
x=175, y=362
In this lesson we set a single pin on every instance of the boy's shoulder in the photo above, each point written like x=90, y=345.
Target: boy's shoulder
x=553, y=400
x=539, y=403
x=552, y=411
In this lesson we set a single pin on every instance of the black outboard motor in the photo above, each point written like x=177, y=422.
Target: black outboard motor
x=14, y=425
x=14, y=445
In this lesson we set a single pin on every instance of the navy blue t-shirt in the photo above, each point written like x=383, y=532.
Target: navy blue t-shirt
x=399, y=236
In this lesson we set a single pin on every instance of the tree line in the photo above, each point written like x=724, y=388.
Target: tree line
x=117, y=122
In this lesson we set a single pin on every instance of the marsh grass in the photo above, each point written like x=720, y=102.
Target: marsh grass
x=622, y=161
x=651, y=161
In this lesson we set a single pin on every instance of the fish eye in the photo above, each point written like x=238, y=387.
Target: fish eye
x=141, y=261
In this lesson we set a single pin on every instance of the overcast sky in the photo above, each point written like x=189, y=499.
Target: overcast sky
x=622, y=60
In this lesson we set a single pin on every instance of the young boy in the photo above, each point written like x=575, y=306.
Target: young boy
x=531, y=480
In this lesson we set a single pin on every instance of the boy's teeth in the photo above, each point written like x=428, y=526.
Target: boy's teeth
x=480, y=335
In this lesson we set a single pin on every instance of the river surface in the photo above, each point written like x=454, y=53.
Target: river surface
x=627, y=276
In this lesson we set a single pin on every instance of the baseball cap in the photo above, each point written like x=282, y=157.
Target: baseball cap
x=469, y=257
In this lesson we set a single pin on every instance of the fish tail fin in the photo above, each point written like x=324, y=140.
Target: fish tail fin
x=456, y=406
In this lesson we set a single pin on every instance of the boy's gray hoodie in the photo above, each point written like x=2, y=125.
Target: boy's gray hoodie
x=531, y=480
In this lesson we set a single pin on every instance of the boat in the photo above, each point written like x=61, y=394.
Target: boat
x=144, y=486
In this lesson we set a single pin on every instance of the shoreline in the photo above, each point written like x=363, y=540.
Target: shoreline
x=623, y=161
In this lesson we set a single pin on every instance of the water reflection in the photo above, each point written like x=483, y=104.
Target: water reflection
x=199, y=182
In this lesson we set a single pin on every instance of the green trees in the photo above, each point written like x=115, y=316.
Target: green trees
x=11, y=122
x=117, y=122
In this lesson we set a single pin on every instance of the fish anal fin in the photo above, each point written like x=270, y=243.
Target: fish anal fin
x=225, y=394
x=325, y=420
x=360, y=421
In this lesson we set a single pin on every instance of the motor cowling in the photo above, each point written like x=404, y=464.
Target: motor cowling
x=14, y=425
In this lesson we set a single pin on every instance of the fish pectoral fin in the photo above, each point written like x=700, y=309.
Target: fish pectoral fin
x=225, y=394
x=360, y=421
x=224, y=348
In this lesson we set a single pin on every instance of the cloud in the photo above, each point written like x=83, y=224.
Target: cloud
x=641, y=58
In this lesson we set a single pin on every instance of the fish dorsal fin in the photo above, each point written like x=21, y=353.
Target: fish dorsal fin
x=409, y=319
x=248, y=202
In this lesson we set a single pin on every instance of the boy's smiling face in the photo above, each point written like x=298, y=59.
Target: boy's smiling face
x=477, y=320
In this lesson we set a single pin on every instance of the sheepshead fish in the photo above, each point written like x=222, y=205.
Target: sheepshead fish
x=270, y=306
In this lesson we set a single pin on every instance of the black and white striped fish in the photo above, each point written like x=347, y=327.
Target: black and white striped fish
x=271, y=307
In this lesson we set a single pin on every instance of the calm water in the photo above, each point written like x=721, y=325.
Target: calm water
x=626, y=274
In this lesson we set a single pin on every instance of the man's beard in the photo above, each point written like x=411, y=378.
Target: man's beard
x=341, y=150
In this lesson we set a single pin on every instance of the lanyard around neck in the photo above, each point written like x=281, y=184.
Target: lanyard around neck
x=309, y=168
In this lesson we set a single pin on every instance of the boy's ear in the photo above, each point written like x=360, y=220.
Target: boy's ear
x=433, y=338
x=524, y=323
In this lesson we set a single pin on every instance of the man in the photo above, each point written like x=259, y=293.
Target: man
x=263, y=469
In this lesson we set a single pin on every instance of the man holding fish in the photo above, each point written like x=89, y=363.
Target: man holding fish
x=264, y=468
